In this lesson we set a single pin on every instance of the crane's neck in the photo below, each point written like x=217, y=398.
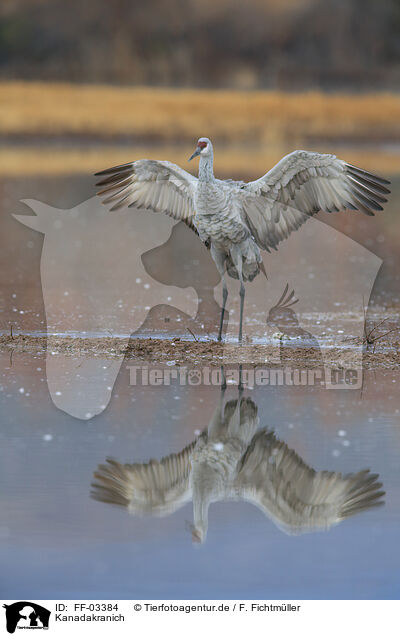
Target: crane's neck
x=200, y=516
x=206, y=167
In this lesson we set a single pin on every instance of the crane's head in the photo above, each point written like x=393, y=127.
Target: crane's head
x=204, y=148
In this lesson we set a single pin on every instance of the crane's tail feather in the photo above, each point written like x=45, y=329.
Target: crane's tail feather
x=249, y=271
x=262, y=269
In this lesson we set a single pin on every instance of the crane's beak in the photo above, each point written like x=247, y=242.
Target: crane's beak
x=195, y=154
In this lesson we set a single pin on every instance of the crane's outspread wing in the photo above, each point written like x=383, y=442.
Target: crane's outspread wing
x=302, y=184
x=296, y=497
x=159, y=186
x=157, y=487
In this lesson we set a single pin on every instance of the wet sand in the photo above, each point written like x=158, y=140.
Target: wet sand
x=181, y=351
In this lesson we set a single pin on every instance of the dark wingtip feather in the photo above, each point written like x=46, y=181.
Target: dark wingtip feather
x=109, y=485
x=114, y=178
x=364, y=493
x=368, y=175
x=117, y=206
x=107, y=171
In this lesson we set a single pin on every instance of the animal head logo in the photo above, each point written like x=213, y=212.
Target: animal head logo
x=281, y=314
x=290, y=333
x=25, y=615
x=120, y=274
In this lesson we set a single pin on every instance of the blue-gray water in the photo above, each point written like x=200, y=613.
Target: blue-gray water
x=56, y=542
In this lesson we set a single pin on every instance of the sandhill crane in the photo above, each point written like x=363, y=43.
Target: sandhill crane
x=232, y=460
x=237, y=219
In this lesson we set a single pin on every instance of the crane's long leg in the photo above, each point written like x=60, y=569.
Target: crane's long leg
x=224, y=297
x=240, y=385
x=238, y=262
x=219, y=260
x=223, y=380
x=216, y=424
x=241, y=294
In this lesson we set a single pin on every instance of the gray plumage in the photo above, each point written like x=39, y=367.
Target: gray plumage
x=233, y=460
x=236, y=219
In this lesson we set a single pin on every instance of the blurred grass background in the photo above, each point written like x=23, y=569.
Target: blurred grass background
x=84, y=85
x=285, y=45
x=59, y=127
x=175, y=115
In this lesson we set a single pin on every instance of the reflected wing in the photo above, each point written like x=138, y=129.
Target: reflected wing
x=296, y=497
x=302, y=184
x=159, y=186
x=158, y=487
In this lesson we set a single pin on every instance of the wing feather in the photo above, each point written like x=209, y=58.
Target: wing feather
x=159, y=186
x=157, y=487
x=295, y=496
x=302, y=184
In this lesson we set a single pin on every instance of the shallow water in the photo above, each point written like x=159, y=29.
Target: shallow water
x=21, y=299
x=55, y=538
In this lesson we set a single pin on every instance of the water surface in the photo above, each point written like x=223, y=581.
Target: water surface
x=57, y=542
x=55, y=538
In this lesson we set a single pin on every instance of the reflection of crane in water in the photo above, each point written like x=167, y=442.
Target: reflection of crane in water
x=282, y=317
x=232, y=460
x=237, y=219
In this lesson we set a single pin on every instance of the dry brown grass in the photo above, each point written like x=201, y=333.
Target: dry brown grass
x=166, y=114
x=229, y=162
x=253, y=130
